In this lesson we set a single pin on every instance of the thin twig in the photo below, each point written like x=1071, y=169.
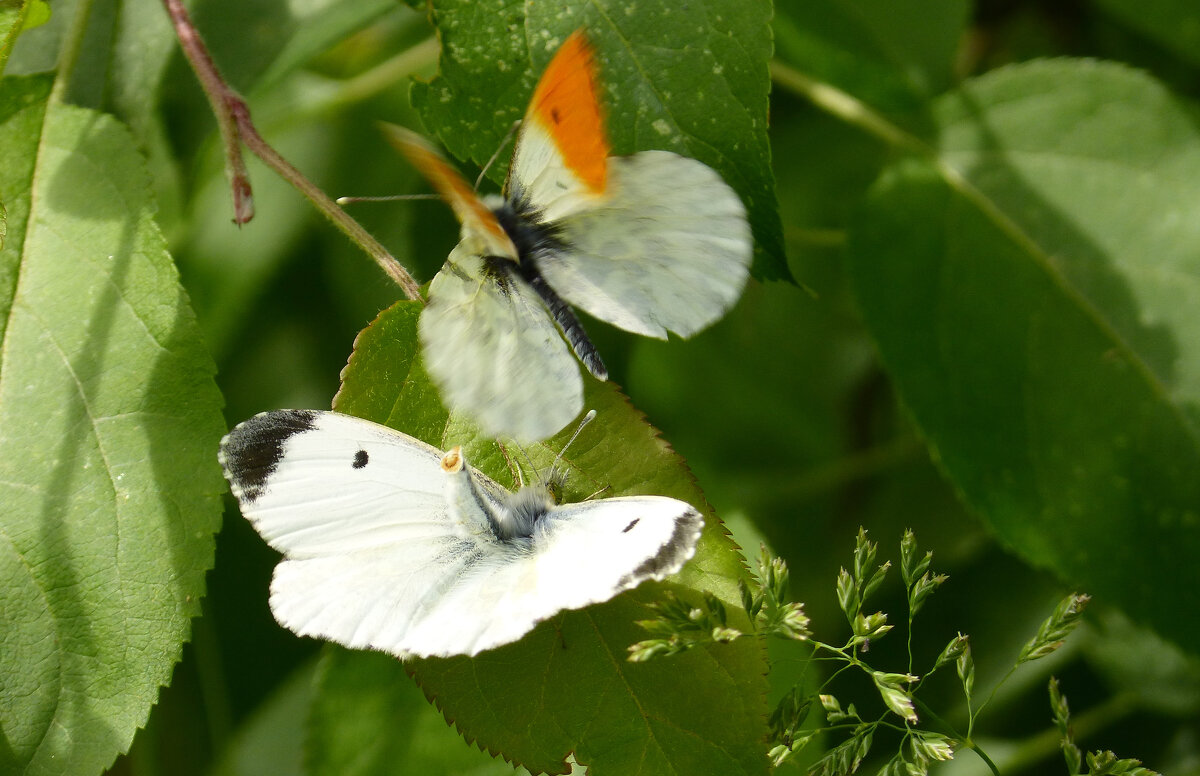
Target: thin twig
x=233, y=119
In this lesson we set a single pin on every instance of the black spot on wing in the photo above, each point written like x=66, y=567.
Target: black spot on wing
x=674, y=552
x=629, y=527
x=252, y=451
x=360, y=459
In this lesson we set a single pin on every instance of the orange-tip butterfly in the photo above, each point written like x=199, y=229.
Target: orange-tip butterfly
x=651, y=243
x=393, y=545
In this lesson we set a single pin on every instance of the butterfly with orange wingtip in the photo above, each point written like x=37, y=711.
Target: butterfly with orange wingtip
x=651, y=243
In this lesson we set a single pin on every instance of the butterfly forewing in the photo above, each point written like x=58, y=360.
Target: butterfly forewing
x=559, y=164
x=669, y=250
x=318, y=483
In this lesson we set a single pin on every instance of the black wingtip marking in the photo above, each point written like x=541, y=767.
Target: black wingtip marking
x=360, y=459
x=674, y=552
x=252, y=451
x=632, y=523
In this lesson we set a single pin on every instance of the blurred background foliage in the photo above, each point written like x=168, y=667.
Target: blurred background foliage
x=782, y=410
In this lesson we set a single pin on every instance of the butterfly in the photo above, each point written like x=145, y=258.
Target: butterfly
x=651, y=243
x=393, y=545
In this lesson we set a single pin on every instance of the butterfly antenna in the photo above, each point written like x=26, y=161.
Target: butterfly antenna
x=496, y=155
x=597, y=493
x=385, y=198
x=588, y=418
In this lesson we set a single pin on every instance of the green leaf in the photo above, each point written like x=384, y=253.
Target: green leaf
x=693, y=84
x=318, y=27
x=368, y=717
x=16, y=16
x=1032, y=290
x=703, y=712
x=1171, y=23
x=109, y=420
x=271, y=739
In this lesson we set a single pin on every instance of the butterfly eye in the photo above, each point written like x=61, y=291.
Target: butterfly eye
x=452, y=461
x=554, y=486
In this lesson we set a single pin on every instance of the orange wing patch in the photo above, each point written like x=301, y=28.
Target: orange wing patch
x=565, y=103
x=475, y=217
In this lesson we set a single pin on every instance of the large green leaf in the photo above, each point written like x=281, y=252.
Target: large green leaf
x=693, y=83
x=108, y=424
x=1033, y=291
x=566, y=687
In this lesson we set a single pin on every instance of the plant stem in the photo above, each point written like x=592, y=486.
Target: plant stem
x=829, y=477
x=966, y=740
x=1046, y=743
x=221, y=98
x=69, y=53
x=971, y=715
x=233, y=120
x=845, y=107
x=386, y=73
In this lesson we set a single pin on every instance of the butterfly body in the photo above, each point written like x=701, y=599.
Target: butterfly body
x=391, y=544
x=652, y=243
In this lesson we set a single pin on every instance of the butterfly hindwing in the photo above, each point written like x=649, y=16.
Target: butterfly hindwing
x=579, y=554
x=489, y=345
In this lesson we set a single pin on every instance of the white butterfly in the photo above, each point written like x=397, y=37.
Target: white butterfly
x=390, y=544
x=652, y=242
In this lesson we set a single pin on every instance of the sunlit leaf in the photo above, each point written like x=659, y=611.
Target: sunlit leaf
x=109, y=421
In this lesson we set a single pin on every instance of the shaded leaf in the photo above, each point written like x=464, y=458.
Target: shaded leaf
x=894, y=56
x=1034, y=300
x=271, y=739
x=1171, y=23
x=695, y=85
x=704, y=712
x=369, y=716
x=109, y=421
